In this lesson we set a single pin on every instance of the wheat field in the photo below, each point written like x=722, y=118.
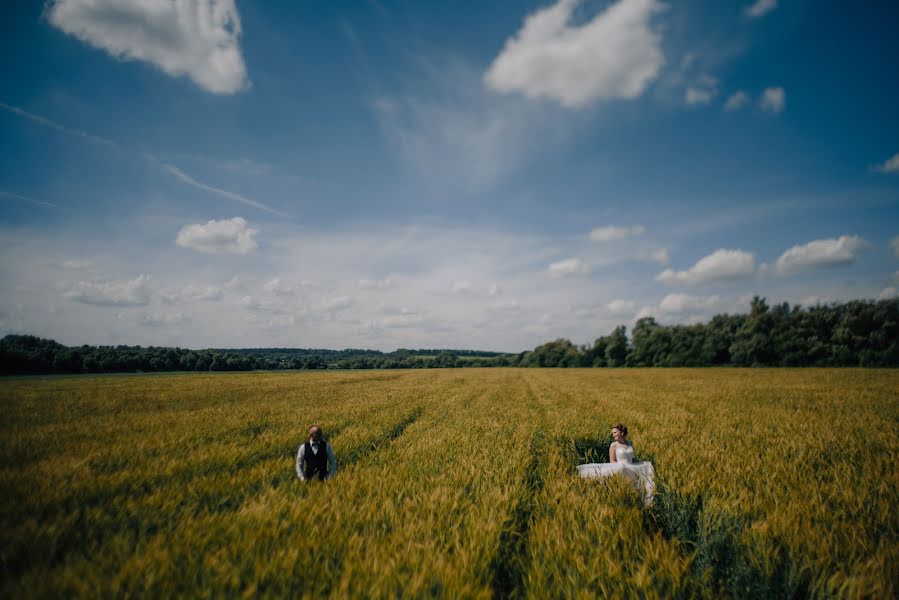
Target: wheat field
x=452, y=483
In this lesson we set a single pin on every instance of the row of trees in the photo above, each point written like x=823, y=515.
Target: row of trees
x=857, y=333
x=27, y=354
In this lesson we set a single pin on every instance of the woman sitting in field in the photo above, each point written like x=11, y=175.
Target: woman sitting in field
x=621, y=462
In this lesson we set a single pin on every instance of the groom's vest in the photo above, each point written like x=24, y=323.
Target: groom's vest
x=316, y=464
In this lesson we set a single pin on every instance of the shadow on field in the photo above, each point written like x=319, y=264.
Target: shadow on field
x=710, y=537
x=510, y=564
x=356, y=454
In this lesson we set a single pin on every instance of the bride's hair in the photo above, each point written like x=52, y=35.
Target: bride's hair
x=622, y=428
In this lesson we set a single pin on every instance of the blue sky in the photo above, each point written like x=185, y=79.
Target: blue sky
x=419, y=174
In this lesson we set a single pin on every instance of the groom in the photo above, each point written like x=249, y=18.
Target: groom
x=316, y=459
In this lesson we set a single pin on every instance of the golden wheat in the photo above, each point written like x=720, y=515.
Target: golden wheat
x=452, y=483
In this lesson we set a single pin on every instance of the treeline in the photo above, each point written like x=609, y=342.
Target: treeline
x=859, y=333
x=27, y=354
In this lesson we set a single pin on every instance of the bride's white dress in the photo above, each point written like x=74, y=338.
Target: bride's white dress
x=641, y=474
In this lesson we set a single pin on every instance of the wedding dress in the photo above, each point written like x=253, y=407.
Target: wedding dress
x=640, y=474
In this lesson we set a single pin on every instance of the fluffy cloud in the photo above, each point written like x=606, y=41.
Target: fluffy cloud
x=736, y=101
x=136, y=292
x=621, y=308
x=894, y=246
x=612, y=233
x=196, y=38
x=773, y=100
x=377, y=284
x=461, y=287
x=163, y=320
x=337, y=304
x=720, y=265
x=660, y=256
x=760, y=8
x=197, y=293
x=682, y=303
x=278, y=288
x=833, y=252
x=235, y=284
x=615, y=55
x=570, y=267
x=228, y=236
x=890, y=165
x=77, y=264
x=888, y=294
x=702, y=91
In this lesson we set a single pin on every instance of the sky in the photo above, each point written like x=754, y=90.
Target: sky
x=481, y=175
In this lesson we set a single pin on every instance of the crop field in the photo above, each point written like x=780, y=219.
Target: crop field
x=456, y=483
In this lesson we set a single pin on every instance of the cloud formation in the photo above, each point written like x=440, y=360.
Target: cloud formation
x=196, y=38
x=702, y=91
x=890, y=165
x=683, y=303
x=760, y=8
x=720, y=265
x=773, y=100
x=617, y=54
x=736, y=101
x=570, y=267
x=228, y=236
x=833, y=252
x=612, y=233
x=136, y=292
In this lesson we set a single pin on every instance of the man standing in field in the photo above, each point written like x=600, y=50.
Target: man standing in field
x=316, y=457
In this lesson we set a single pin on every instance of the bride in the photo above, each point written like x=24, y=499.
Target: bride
x=621, y=462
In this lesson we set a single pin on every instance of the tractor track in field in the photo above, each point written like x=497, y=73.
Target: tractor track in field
x=508, y=570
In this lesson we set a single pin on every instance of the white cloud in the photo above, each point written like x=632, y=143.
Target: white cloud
x=613, y=232
x=721, y=265
x=702, y=91
x=337, y=304
x=163, y=320
x=400, y=321
x=736, y=101
x=228, y=236
x=682, y=303
x=890, y=165
x=461, y=287
x=614, y=55
x=832, y=252
x=136, y=292
x=660, y=256
x=235, y=284
x=773, y=100
x=378, y=284
x=197, y=293
x=196, y=38
x=77, y=264
x=507, y=306
x=760, y=8
x=277, y=287
x=888, y=293
x=621, y=308
x=570, y=267
x=265, y=305
x=894, y=246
